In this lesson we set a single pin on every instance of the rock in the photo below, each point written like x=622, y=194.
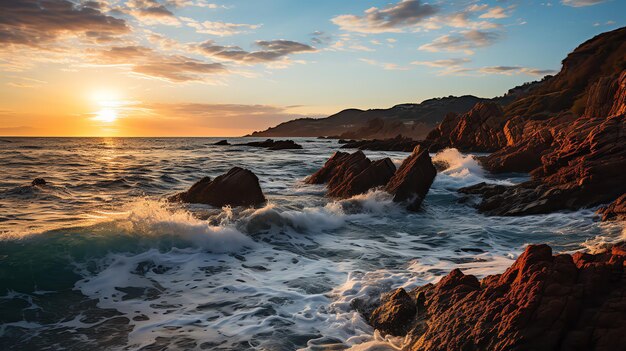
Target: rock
x=238, y=187
x=542, y=302
x=222, y=142
x=413, y=179
x=480, y=129
x=396, y=311
x=274, y=145
x=398, y=143
x=38, y=182
x=376, y=174
x=568, y=132
x=347, y=174
x=338, y=167
x=614, y=211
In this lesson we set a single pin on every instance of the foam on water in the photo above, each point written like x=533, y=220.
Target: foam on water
x=286, y=276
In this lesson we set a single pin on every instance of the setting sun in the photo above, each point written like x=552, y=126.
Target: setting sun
x=107, y=115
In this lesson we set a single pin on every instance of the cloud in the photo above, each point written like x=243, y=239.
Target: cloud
x=38, y=22
x=581, y=3
x=152, y=12
x=495, y=12
x=221, y=29
x=147, y=62
x=511, y=70
x=270, y=51
x=392, y=18
x=384, y=65
x=465, y=41
x=442, y=63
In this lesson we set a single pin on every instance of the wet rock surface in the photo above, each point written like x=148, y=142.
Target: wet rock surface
x=542, y=302
x=616, y=210
x=237, y=187
x=275, y=144
x=398, y=143
x=413, y=179
x=347, y=174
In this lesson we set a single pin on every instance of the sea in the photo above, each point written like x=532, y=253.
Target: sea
x=98, y=259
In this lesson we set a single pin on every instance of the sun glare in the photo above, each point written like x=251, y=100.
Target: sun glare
x=106, y=115
x=109, y=106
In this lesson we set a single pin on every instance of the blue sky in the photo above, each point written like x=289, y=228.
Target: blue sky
x=285, y=58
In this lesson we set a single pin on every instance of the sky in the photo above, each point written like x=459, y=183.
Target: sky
x=230, y=67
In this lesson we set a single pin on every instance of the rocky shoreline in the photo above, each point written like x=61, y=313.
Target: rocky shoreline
x=542, y=302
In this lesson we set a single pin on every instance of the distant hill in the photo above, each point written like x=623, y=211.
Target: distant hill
x=410, y=120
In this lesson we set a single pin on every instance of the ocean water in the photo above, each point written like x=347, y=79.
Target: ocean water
x=97, y=259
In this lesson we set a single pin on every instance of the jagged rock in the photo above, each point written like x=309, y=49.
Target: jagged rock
x=396, y=311
x=222, y=142
x=542, y=302
x=238, y=187
x=376, y=174
x=275, y=144
x=399, y=143
x=480, y=129
x=38, y=182
x=347, y=175
x=616, y=210
x=413, y=179
x=569, y=132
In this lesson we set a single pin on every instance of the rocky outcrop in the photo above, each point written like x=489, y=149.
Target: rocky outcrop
x=567, y=131
x=222, y=142
x=347, y=175
x=480, y=129
x=413, y=179
x=399, y=143
x=615, y=211
x=275, y=144
x=238, y=187
x=541, y=302
x=394, y=314
x=376, y=174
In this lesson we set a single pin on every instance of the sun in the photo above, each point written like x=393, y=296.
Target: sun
x=107, y=115
x=109, y=106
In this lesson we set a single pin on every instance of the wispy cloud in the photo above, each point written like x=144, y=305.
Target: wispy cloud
x=466, y=41
x=221, y=29
x=393, y=18
x=581, y=3
x=269, y=51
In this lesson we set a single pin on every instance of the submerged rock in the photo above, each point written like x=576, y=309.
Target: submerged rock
x=238, y=187
x=413, y=179
x=542, y=302
x=398, y=143
x=222, y=142
x=38, y=182
x=616, y=210
x=275, y=144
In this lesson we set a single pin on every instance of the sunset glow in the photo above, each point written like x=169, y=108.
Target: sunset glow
x=197, y=68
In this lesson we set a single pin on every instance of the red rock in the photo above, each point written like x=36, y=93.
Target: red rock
x=396, y=311
x=413, y=179
x=480, y=129
x=615, y=210
x=569, y=132
x=338, y=167
x=376, y=174
x=542, y=302
x=238, y=187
